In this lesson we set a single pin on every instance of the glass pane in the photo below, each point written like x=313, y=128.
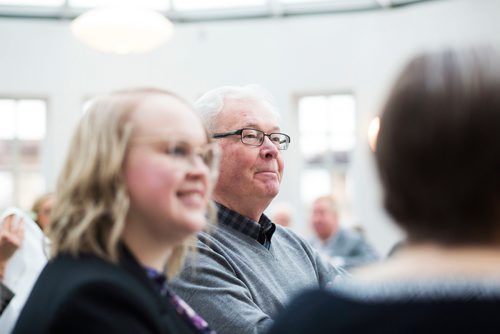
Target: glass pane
x=342, y=114
x=31, y=121
x=342, y=120
x=6, y=153
x=150, y=4
x=29, y=153
x=313, y=148
x=342, y=142
x=41, y=3
x=7, y=119
x=302, y=1
x=312, y=114
x=342, y=4
x=6, y=189
x=215, y=4
x=314, y=183
x=31, y=185
x=339, y=186
x=341, y=157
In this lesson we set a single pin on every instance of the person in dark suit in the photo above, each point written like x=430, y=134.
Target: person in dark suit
x=438, y=157
x=132, y=193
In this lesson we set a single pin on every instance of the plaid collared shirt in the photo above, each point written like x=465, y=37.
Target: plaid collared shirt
x=262, y=231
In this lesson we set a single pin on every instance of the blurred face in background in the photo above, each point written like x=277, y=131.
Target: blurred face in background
x=44, y=210
x=168, y=182
x=282, y=218
x=324, y=219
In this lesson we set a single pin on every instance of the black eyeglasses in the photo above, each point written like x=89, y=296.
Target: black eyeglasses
x=256, y=137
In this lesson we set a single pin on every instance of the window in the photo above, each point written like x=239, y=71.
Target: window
x=327, y=137
x=150, y=4
x=196, y=10
x=48, y=3
x=215, y=4
x=22, y=131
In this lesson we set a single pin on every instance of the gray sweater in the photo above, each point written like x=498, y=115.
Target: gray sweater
x=238, y=286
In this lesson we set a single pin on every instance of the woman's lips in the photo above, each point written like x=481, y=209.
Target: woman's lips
x=192, y=197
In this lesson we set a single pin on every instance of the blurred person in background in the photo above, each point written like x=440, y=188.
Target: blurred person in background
x=22, y=257
x=42, y=208
x=282, y=214
x=438, y=157
x=11, y=237
x=342, y=247
x=132, y=192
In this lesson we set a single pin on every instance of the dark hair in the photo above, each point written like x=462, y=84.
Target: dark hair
x=438, y=148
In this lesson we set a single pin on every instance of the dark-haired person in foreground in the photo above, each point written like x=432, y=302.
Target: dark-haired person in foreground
x=438, y=157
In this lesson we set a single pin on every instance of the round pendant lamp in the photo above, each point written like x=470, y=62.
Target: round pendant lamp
x=122, y=30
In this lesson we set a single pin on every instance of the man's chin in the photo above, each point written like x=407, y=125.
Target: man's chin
x=271, y=191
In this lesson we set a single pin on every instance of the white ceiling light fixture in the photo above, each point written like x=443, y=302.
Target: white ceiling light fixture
x=122, y=30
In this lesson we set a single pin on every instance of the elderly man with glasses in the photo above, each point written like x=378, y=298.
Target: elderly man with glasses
x=246, y=268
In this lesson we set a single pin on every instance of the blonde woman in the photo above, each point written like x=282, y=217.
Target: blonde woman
x=134, y=189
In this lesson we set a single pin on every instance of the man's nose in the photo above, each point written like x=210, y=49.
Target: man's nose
x=269, y=149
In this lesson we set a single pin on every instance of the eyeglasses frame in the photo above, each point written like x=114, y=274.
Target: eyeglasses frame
x=240, y=133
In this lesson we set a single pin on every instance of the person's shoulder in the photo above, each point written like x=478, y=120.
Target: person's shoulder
x=286, y=236
x=211, y=250
x=75, y=272
x=92, y=298
x=93, y=280
x=315, y=295
x=208, y=241
x=286, y=232
x=219, y=238
x=348, y=233
x=311, y=311
x=351, y=235
x=81, y=264
x=323, y=301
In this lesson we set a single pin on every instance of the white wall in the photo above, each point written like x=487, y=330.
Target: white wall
x=361, y=52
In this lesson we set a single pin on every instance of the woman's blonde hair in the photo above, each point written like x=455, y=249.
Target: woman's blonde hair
x=92, y=205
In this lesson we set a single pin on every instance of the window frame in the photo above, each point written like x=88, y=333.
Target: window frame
x=338, y=172
x=16, y=169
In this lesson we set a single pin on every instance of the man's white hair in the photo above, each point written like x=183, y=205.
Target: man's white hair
x=210, y=104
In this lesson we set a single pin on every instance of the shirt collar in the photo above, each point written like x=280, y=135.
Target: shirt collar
x=262, y=231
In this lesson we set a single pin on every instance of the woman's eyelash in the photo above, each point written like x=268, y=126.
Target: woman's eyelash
x=179, y=150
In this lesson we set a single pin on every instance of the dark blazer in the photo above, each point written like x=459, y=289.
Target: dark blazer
x=90, y=295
